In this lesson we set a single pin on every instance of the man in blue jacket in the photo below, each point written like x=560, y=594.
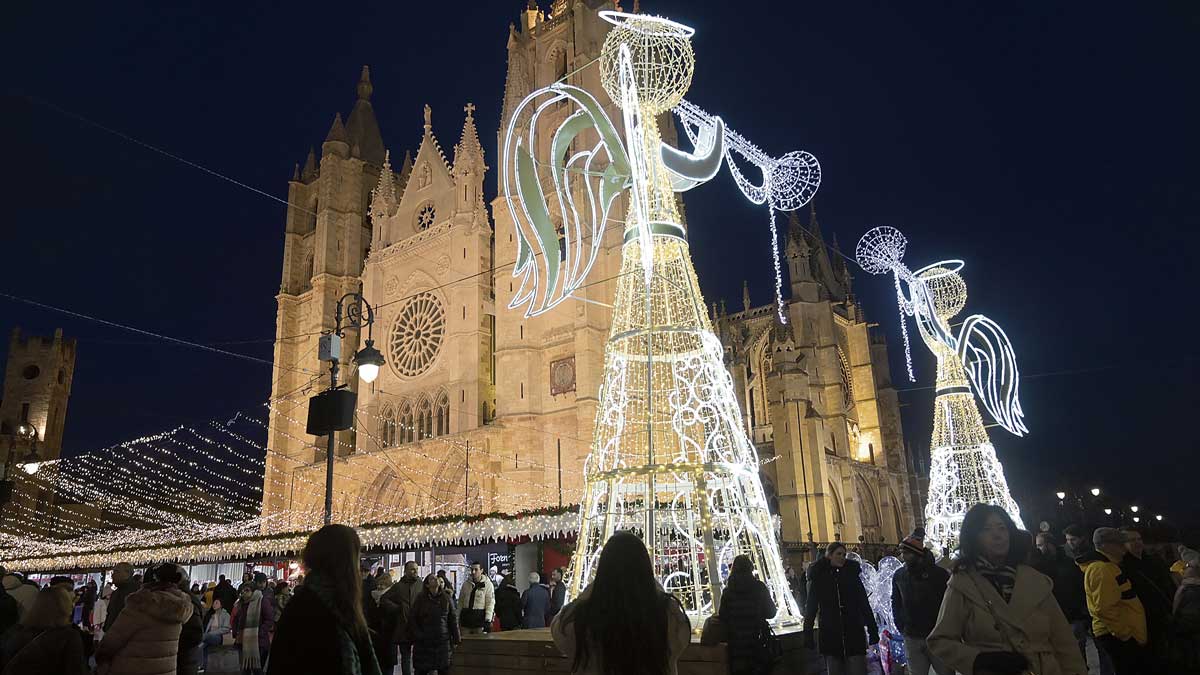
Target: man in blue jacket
x=535, y=603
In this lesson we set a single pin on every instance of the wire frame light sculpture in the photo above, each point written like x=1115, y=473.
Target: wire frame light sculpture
x=977, y=362
x=671, y=461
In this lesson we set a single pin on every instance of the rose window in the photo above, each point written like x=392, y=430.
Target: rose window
x=417, y=335
x=425, y=217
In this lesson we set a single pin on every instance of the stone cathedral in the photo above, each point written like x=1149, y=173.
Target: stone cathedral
x=480, y=409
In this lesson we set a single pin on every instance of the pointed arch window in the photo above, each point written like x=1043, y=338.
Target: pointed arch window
x=406, y=423
x=442, y=416
x=424, y=419
x=389, y=428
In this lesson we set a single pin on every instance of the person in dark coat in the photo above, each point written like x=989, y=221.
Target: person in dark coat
x=1054, y=562
x=746, y=605
x=508, y=604
x=558, y=594
x=10, y=611
x=535, y=602
x=226, y=593
x=1152, y=582
x=434, y=629
x=1185, y=622
x=396, y=607
x=836, y=595
x=324, y=629
x=44, y=642
x=191, y=636
x=917, y=590
x=127, y=584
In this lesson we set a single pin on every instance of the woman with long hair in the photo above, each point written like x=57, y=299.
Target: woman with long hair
x=998, y=615
x=623, y=623
x=434, y=628
x=324, y=629
x=837, y=600
x=44, y=642
x=746, y=605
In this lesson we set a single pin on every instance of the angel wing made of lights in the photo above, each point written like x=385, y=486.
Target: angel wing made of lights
x=990, y=362
x=550, y=270
x=983, y=347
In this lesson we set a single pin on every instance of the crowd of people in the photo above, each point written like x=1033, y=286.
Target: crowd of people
x=1007, y=604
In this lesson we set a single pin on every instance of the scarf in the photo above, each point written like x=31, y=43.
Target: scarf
x=252, y=618
x=353, y=663
x=1003, y=577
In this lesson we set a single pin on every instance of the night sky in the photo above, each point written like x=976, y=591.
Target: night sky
x=1051, y=146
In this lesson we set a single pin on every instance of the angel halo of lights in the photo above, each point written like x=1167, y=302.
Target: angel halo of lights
x=977, y=362
x=670, y=458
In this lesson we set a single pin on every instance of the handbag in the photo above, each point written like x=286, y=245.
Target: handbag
x=771, y=645
x=1000, y=626
x=227, y=639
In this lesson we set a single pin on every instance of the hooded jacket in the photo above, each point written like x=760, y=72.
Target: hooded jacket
x=144, y=640
x=1114, y=607
x=22, y=592
x=838, y=600
x=975, y=619
x=917, y=596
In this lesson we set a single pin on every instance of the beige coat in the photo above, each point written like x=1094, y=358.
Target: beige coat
x=1033, y=622
x=144, y=640
x=679, y=632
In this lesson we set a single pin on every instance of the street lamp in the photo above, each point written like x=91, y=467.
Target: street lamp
x=1108, y=512
x=1095, y=492
x=1158, y=517
x=1136, y=519
x=1133, y=508
x=1061, y=495
x=333, y=409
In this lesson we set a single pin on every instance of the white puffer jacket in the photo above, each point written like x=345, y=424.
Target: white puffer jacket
x=22, y=592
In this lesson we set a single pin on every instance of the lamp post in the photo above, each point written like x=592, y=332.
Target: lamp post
x=333, y=409
x=31, y=461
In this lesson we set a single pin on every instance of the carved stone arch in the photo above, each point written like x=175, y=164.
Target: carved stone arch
x=450, y=492
x=758, y=360
x=869, y=516
x=847, y=379
x=389, y=427
x=839, y=515
x=901, y=530
x=555, y=61
x=386, y=499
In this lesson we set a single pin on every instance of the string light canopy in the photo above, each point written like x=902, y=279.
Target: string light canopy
x=977, y=363
x=670, y=459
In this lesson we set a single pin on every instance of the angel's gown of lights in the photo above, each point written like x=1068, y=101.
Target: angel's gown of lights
x=671, y=460
x=963, y=468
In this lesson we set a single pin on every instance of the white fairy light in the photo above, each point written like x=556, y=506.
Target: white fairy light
x=978, y=362
x=670, y=458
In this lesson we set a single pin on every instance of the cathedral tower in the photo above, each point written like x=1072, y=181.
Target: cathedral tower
x=37, y=385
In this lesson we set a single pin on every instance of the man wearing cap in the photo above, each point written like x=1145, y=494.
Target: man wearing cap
x=1118, y=619
x=917, y=590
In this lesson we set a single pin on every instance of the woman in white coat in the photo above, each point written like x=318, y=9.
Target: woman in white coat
x=220, y=654
x=998, y=616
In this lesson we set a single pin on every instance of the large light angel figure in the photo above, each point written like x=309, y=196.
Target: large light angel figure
x=670, y=458
x=978, y=361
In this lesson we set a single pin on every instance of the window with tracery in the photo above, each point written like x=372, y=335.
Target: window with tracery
x=424, y=419
x=847, y=380
x=425, y=216
x=417, y=334
x=389, y=435
x=442, y=416
x=406, y=424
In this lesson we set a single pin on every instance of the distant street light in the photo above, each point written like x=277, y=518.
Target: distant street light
x=1158, y=517
x=1095, y=492
x=1133, y=508
x=31, y=462
x=333, y=409
x=1061, y=495
x=1108, y=512
x=1136, y=519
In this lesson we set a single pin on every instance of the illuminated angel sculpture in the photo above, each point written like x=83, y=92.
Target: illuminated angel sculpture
x=671, y=460
x=978, y=361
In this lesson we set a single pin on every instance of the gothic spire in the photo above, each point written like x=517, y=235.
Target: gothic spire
x=468, y=147
x=337, y=131
x=383, y=197
x=310, y=166
x=362, y=128
x=745, y=295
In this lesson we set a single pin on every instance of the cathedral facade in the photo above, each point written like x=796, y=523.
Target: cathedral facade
x=480, y=409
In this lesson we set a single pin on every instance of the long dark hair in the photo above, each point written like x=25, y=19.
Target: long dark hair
x=741, y=573
x=969, y=550
x=625, y=617
x=333, y=552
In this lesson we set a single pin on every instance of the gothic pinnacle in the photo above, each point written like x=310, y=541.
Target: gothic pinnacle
x=337, y=132
x=745, y=295
x=364, y=84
